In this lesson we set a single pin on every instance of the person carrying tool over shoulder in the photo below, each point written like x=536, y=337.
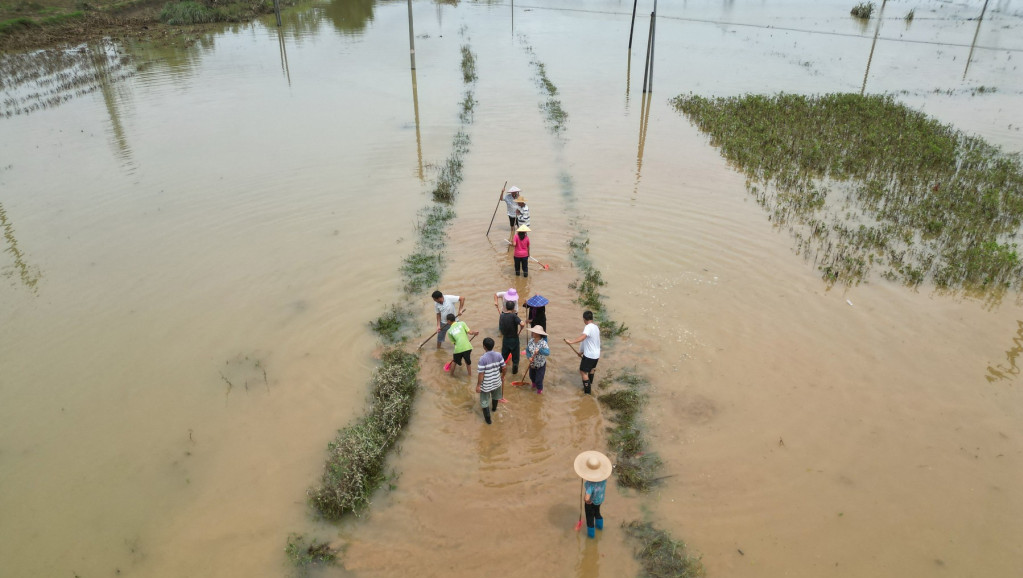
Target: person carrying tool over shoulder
x=511, y=201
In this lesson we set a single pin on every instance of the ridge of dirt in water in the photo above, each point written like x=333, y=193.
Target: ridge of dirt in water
x=355, y=467
x=658, y=552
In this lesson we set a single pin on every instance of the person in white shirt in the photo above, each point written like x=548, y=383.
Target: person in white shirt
x=445, y=304
x=589, y=351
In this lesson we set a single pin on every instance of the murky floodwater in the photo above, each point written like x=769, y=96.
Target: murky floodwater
x=197, y=235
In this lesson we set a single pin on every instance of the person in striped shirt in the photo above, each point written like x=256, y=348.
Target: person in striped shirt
x=490, y=379
x=522, y=213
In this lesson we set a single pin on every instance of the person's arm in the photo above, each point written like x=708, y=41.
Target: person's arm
x=461, y=305
x=497, y=303
x=579, y=339
x=479, y=380
x=589, y=493
x=438, y=321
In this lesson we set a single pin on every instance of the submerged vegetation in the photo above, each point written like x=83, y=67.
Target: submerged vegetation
x=304, y=553
x=863, y=10
x=356, y=462
x=553, y=113
x=355, y=467
x=920, y=200
x=660, y=554
x=635, y=467
x=588, y=287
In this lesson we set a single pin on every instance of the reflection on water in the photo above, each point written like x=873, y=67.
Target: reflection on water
x=973, y=44
x=877, y=30
x=38, y=80
x=350, y=16
x=27, y=274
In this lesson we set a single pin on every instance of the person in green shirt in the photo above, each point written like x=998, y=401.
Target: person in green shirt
x=458, y=333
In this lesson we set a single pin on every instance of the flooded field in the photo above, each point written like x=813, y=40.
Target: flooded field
x=197, y=236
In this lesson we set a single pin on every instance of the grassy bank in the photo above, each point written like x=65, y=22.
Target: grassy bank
x=865, y=183
x=39, y=23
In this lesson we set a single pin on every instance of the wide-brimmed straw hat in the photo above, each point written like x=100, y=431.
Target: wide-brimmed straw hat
x=511, y=295
x=538, y=330
x=593, y=466
x=537, y=301
x=521, y=199
x=514, y=189
x=523, y=229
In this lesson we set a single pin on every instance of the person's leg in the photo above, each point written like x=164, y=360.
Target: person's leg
x=590, y=509
x=506, y=347
x=584, y=370
x=532, y=376
x=518, y=265
x=515, y=354
x=525, y=266
x=599, y=520
x=485, y=402
x=442, y=334
x=537, y=377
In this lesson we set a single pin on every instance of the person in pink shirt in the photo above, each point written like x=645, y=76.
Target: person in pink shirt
x=521, y=253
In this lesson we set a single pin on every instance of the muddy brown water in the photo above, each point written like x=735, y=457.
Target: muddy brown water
x=193, y=252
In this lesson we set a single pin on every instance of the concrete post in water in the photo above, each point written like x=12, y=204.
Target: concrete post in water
x=277, y=11
x=411, y=37
x=632, y=27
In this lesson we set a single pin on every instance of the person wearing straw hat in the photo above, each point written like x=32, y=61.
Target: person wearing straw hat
x=537, y=314
x=510, y=200
x=511, y=295
x=522, y=214
x=537, y=351
x=521, y=253
x=490, y=379
x=594, y=468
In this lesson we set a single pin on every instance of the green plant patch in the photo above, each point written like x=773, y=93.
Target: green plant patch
x=305, y=553
x=356, y=459
x=863, y=10
x=866, y=184
x=634, y=467
x=660, y=555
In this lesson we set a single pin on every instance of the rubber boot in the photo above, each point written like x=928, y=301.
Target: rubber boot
x=600, y=523
x=486, y=415
x=586, y=387
x=590, y=532
x=493, y=405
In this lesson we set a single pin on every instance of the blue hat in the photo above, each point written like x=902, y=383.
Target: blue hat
x=537, y=301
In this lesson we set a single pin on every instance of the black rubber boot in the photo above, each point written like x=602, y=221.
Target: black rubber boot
x=586, y=387
x=486, y=415
x=493, y=405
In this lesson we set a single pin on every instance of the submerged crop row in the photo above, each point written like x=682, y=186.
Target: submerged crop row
x=635, y=466
x=356, y=462
x=915, y=198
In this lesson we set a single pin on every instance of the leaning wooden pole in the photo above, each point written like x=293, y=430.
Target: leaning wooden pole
x=653, y=44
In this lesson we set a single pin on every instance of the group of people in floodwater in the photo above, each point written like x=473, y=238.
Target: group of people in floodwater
x=593, y=467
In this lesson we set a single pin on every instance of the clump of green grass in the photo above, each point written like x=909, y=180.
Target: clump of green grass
x=917, y=199
x=468, y=65
x=305, y=553
x=394, y=326
x=863, y=10
x=588, y=288
x=176, y=13
x=635, y=467
x=661, y=555
x=355, y=465
x=910, y=15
